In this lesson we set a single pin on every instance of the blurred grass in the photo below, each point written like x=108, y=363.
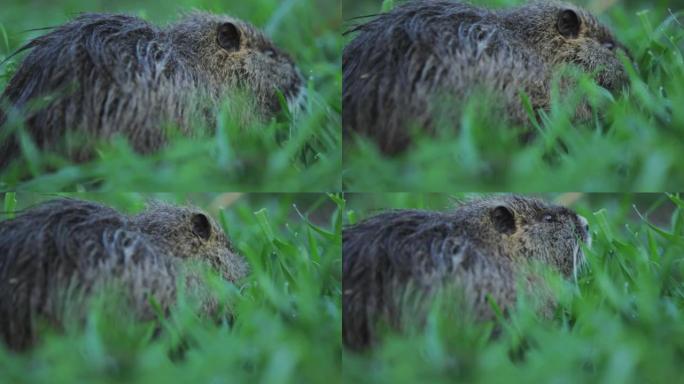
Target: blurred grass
x=303, y=155
x=635, y=145
x=622, y=322
x=287, y=315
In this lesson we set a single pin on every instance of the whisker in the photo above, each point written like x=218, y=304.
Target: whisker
x=574, y=262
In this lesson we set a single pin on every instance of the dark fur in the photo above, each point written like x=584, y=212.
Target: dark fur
x=54, y=254
x=402, y=64
x=471, y=246
x=116, y=74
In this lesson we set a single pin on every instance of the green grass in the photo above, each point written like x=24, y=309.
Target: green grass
x=287, y=315
x=284, y=155
x=635, y=145
x=621, y=323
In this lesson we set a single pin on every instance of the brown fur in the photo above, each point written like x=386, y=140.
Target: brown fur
x=479, y=247
x=424, y=59
x=53, y=256
x=102, y=75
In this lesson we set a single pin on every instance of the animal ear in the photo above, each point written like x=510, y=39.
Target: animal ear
x=228, y=36
x=569, y=23
x=201, y=226
x=503, y=219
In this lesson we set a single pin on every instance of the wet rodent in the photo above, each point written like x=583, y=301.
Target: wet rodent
x=406, y=67
x=480, y=248
x=101, y=75
x=55, y=255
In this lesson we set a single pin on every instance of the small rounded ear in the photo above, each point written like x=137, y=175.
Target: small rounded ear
x=503, y=219
x=228, y=36
x=201, y=226
x=569, y=23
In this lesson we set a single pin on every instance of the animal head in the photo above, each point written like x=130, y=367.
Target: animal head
x=525, y=228
x=567, y=34
x=236, y=54
x=190, y=234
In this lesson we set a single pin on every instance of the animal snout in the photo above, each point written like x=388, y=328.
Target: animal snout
x=296, y=95
x=584, y=227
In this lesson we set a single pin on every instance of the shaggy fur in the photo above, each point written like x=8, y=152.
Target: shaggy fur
x=55, y=254
x=480, y=246
x=403, y=63
x=106, y=74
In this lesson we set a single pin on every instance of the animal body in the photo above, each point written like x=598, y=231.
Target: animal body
x=55, y=255
x=102, y=75
x=417, y=65
x=480, y=248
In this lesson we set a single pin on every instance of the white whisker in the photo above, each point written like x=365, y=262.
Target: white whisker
x=297, y=104
x=574, y=261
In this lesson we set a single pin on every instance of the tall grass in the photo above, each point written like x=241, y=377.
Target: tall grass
x=286, y=154
x=621, y=322
x=287, y=322
x=633, y=144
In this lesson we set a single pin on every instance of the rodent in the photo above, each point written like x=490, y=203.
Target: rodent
x=481, y=247
x=56, y=253
x=113, y=74
x=406, y=67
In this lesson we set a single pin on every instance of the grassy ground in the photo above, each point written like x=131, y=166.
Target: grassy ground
x=635, y=146
x=238, y=159
x=621, y=323
x=287, y=326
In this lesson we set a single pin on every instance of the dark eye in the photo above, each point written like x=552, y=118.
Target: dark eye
x=548, y=218
x=201, y=226
x=228, y=37
x=609, y=45
x=569, y=23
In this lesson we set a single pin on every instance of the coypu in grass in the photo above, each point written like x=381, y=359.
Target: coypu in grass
x=55, y=255
x=102, y=75
x=480, y=249
x=424, y=59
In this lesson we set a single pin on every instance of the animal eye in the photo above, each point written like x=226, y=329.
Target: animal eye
x=228, y=37
x=609, y=45
x=201, y=226
x=548, y=218
x=569, y=23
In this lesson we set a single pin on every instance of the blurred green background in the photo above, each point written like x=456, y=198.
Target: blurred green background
x=287, y=322
x=297, y=156
x=633, y=144
x=620, y=323
x=355, y=8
